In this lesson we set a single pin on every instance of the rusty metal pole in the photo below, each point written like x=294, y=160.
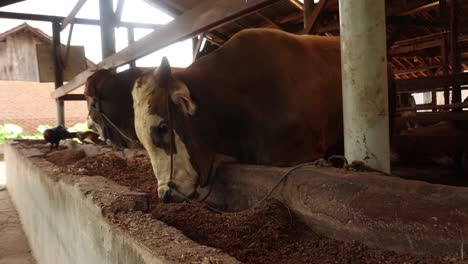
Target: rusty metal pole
x=364, y=78
x=58, y=69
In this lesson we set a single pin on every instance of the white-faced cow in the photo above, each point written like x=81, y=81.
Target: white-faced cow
x=265, y=97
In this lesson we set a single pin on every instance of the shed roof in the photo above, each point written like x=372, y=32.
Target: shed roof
x=26, y=28
x=23, y=28
x=415, y=29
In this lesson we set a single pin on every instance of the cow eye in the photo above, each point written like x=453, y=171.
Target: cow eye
x=163, y=128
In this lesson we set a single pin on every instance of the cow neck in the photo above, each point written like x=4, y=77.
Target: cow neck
x=198, y=135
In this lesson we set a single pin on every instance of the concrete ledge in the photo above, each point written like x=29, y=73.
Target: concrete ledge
x=75, y=219
x=380, y=211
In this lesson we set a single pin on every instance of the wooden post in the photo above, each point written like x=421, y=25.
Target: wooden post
x=107, y=20
x=58, y=69
x=308, y=8
x=445, y=67
x=131, y=39
x=69, y=19
x=314, y=15
x=455, y=51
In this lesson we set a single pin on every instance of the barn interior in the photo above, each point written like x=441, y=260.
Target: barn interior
x=426, y=48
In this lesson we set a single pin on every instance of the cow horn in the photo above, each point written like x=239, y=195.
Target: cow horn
x=163, y=73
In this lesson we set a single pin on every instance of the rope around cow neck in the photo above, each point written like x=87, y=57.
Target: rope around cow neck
x=104, y=116
x=118, y=130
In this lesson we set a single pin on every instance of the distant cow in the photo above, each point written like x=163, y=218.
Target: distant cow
x=265, y=97
x=110, y=105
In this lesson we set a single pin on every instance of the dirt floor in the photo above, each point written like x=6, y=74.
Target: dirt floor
x=14, y=247
x=267, y=234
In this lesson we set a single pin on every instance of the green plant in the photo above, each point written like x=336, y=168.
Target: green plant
x=79, y=127
x=12, y=131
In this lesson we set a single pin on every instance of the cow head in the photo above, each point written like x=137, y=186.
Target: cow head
x=153, y=94
x=92, y=93
x=110, y=105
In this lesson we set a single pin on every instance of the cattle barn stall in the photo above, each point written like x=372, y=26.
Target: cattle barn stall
x=84, y=218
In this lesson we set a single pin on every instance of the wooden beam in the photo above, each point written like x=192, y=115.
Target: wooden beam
x=290, y=18
x=271, y=22
x=82, y=21
x=407, y=7
x=118, y=11
x=58, y=69
x=298, y=5
x=397, y=8
x=434, y=66
x=197, y=46
x=130, y=40
x=205, y=16
x=314, y=16
x=408, y=21
x=429, y=83
x=73, y=97
x=426, y=42
x=69, y=19
x=434, y=117
x=239, y=16
x=429, y=107
x=417, y=69
x=9, y=2
x=166, y=7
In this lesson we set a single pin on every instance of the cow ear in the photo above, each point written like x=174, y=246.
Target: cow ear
x=163, y=73
x=180, y=95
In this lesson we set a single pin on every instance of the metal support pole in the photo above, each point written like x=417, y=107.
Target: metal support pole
x=364, y=78
x=58, y=69
x=107, y=22
x=131, y=39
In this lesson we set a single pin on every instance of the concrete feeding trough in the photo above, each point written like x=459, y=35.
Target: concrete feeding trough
x=71, y=217
x=386, y=212
x=67, y=218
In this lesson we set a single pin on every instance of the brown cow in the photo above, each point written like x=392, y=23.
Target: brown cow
x=265, y=97
x=110, y=105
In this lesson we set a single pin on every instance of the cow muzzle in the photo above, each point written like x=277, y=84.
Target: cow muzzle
x=170, y=193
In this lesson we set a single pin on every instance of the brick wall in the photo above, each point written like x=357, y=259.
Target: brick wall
x=28, y=104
